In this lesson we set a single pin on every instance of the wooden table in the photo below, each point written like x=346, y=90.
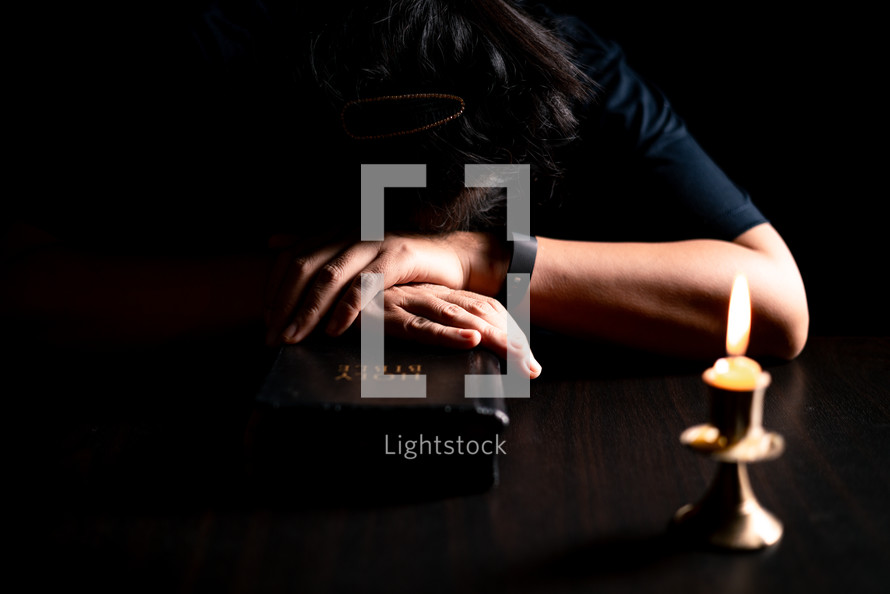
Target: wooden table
x=139, y=488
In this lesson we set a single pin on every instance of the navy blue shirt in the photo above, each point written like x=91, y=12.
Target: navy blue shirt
x=637, y=173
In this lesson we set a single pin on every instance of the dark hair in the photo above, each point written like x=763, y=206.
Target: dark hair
x=517, y=79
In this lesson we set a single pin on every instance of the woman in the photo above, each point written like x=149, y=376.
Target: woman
x=662, y=231
x=638, y=233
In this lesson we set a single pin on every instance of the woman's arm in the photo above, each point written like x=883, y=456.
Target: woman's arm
x=664, y=297
x=671, y=297
x=55, y=293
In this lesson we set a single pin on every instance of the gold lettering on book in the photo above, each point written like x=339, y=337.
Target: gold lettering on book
x=347, y=372
x=343, y=373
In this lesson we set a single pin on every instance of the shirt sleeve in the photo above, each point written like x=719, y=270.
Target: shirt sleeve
x=636, y=172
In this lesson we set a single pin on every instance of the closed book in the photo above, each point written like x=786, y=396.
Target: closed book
x=313, y=432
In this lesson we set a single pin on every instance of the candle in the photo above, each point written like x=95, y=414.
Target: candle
x=736, y=371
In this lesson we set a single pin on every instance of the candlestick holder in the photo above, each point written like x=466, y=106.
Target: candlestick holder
x=729, y=515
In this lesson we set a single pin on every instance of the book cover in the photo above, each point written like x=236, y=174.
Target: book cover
x=312, y=432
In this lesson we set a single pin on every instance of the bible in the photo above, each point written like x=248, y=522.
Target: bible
x=312, y=432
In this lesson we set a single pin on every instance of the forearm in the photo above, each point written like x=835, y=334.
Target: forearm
x=670, y=297
x=64, y=296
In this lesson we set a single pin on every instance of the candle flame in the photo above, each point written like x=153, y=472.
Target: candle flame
x=739, y=326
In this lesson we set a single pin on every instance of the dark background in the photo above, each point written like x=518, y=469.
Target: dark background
x=788, y=104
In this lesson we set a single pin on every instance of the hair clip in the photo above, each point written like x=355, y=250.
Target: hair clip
x=398, y=115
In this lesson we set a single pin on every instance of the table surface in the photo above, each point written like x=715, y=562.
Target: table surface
x=140, y=488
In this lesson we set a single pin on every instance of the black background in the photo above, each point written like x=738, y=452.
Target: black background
x=787, y=102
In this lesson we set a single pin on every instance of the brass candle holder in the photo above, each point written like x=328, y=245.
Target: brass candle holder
x=729, y=515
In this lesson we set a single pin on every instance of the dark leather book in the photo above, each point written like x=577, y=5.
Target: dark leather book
x=313, y=434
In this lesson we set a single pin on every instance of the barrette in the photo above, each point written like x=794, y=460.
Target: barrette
x=398, y=115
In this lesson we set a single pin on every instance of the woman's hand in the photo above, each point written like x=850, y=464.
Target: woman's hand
x=440, y=316
x=311, y=281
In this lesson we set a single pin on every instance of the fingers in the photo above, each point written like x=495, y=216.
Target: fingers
x=312, y=288
x=425, y=331
x=306, y=286
x=357, y=293
x=457, y=319
x=520, y=349
x=419, y=313
x=309, y=282
x=312, y=283
x=502, y=334
x=290, y=276
x=292, y=250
